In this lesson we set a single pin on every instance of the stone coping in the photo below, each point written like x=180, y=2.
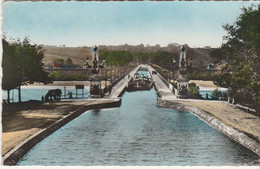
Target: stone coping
x=229, y=131
x=13, y=156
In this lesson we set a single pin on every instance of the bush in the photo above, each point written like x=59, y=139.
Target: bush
x=193, y=90
x=58, y=60
x=68, y=61
x=56, y=75
x=215, y=94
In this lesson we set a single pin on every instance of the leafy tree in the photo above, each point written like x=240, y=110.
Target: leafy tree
x=30, y=63
x=141, y=57
x=116, y=57
x=58, y=60
x=119, y=57
x=11, y=78
x=161, y=57
x=193, y=89
x=68, y=61
x=22, y=65
x=241, y=51
x=217, y=54
x=216, y=94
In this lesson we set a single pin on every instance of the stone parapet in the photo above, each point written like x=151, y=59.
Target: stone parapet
x=232, y=133
x=13, y=156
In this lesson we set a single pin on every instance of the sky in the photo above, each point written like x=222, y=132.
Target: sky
x=197, y=24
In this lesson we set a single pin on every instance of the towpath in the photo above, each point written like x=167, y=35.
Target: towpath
x=119, y=87
x=20, y=125
x=231, y=115
x=164, y=91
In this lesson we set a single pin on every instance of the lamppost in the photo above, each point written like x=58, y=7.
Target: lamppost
x=105, y=78
x=112, y=73
x=103, y=65
x=182, y=80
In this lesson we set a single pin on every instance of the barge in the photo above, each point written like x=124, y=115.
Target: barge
x=139, y=82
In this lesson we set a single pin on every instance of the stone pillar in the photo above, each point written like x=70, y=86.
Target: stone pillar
x=182, y=79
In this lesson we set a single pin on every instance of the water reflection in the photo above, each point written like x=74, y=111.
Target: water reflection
x=96, y=112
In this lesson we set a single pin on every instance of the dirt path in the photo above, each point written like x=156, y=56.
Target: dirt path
x=231, y=116
x=18, y=126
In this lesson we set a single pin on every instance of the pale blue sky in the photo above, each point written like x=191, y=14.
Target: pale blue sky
x=113, y=23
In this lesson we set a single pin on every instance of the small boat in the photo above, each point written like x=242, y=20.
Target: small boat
x=139, y=83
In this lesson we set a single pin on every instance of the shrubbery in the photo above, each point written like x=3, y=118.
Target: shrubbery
x=241, y=50
x=58, y=60
x=117, y=58
x=193, y=90
x=215, y=94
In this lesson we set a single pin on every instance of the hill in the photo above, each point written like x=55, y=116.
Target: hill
x=200, y=56
x=77, y=54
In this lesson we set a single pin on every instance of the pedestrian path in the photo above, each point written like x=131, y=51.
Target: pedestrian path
x=119, y=87
x=164, y=90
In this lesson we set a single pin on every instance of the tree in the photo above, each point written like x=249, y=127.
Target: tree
x=116, y=57
x=10, y=70
x=217, y=54
x=68, y=61
x=58, y=60
x=241, y=51
x=216, y=94
x=22, y=65
x=161, y=57
x=31, y=66
x=193, y=89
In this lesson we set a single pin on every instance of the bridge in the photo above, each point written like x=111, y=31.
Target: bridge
x=164, y=89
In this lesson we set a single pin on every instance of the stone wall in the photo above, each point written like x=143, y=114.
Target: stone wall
x=12, y=157
x=234, y=134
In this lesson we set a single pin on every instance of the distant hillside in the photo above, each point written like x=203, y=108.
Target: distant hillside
x=79, y=55
x=201, y=57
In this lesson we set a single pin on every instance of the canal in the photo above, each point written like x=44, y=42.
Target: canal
x=137, y=133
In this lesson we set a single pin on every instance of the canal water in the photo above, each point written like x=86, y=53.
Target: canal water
x=137, y=134
x=209, y=92
x=36, y=92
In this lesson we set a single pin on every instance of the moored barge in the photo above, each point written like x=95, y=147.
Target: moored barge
x=139, y=83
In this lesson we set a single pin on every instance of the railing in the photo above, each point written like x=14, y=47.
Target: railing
x=115, y=81
x=166, y=82
x=71, y=95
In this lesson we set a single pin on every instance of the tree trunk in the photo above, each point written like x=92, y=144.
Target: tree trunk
x=8, y=96
x=19, y=94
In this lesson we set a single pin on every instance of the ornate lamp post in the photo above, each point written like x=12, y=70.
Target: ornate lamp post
x=95, y=67
x=182, y=86
x=95, y=81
